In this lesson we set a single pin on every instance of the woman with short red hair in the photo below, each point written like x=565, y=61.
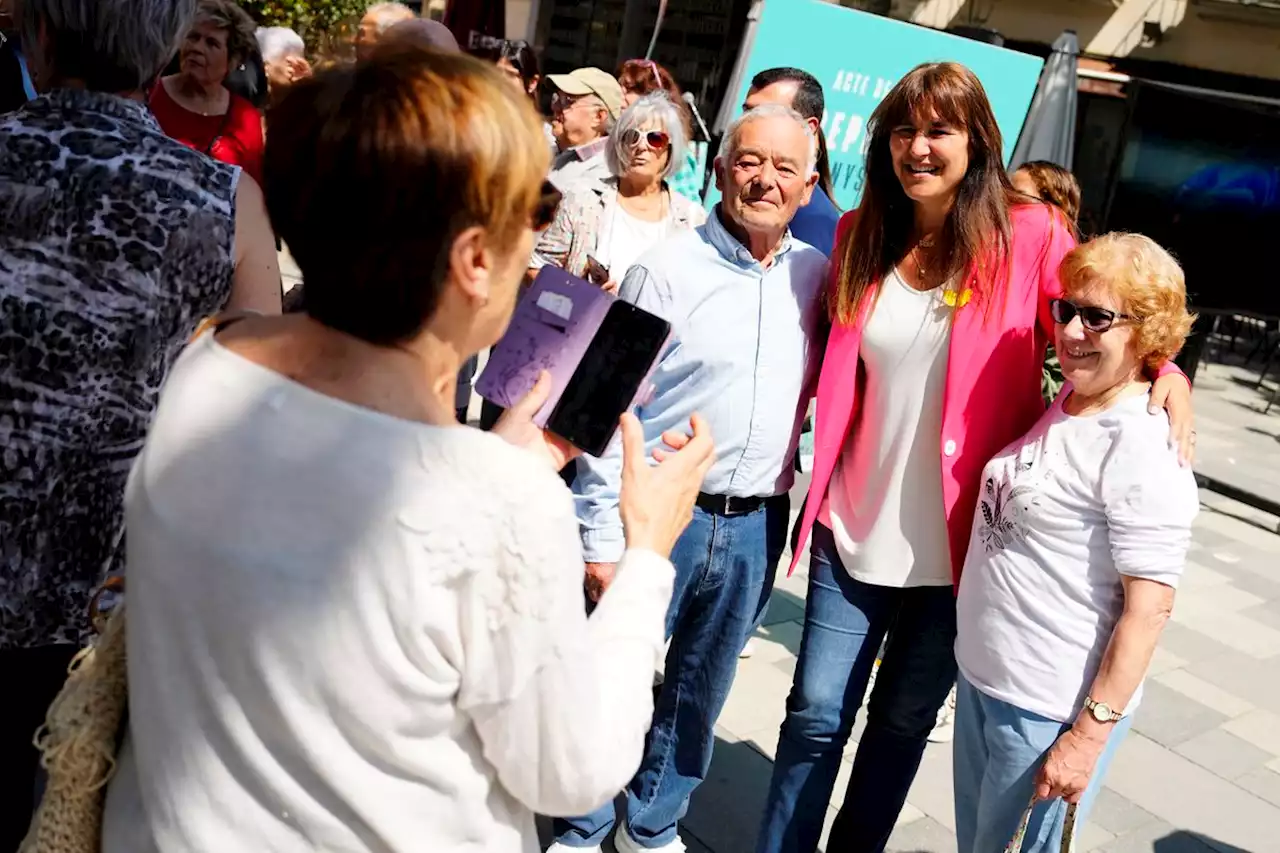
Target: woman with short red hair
x=1074, y=559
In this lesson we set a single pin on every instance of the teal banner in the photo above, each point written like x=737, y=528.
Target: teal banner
x=858, y=57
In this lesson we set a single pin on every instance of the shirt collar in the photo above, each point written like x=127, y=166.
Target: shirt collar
x=731, y=249
x=591, y=149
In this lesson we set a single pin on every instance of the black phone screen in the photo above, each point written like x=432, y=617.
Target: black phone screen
x=605, y=382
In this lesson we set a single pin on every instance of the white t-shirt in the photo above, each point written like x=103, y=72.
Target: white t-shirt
x=350, y=632
x=1063, y=513
x=625, y=238
x=885, y=503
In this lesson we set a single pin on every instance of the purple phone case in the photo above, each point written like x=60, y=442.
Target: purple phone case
x=538, y=339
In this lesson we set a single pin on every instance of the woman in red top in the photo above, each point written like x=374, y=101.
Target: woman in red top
x=195, y=108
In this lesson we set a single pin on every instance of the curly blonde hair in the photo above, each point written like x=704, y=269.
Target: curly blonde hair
x=1144, y=279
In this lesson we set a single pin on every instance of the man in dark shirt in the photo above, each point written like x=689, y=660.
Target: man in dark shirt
x=815, y=223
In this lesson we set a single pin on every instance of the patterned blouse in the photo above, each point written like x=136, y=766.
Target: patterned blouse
x=575, y=231
x=114, y=242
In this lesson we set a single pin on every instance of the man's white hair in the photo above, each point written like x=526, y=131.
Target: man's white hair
x=388, y=14
x=729, y=144
x=277, y=43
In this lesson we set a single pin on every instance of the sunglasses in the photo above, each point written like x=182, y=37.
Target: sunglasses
x=1093, y=318
x=544, y=210
x=656, y=139
x=562, y=103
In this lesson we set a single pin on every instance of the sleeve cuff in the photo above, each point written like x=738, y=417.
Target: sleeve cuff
x=603, y=546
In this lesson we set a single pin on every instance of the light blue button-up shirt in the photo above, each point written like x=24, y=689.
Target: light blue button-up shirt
x=745, y=355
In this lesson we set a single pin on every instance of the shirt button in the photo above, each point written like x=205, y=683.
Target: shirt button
x=949, y=448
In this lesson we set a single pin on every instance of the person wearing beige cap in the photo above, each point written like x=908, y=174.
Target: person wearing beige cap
x=586, y=106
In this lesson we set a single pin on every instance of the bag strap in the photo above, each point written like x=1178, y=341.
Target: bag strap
x=218, y=322
x=97, y=618
x=222, y=128
x=1068, y=828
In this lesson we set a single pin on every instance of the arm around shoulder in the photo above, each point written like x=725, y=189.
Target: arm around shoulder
x=255, y=285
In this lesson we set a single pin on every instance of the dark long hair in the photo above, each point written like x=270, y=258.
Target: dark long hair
x=823, y=167
x=977, y=234
x=518, y=52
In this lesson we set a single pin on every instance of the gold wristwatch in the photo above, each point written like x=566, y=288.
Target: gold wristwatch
x=1102, y=712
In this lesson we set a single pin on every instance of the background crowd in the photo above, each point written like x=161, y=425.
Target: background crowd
x=355, y=623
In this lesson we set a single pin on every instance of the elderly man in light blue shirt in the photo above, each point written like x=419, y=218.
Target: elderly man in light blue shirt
x=743, y=297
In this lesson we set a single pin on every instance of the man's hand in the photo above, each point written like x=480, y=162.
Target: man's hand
x=516, y=426
x=599, y=576
x=656, y=501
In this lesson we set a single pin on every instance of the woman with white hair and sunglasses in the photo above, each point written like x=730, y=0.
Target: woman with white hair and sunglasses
x=599, y=232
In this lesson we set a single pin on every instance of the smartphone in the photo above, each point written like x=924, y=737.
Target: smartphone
x=598, y=350
x=608, y=378
x=597, y=273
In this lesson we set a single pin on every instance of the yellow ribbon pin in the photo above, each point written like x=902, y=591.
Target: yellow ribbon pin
x=957, y=300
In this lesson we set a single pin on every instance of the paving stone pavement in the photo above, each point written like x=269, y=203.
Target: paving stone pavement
x=1200, y=771
x=1239, y=442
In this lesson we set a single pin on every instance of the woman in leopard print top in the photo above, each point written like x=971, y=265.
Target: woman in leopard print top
x=114, y=242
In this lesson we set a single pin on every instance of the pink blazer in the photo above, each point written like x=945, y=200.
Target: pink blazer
x=993, y=377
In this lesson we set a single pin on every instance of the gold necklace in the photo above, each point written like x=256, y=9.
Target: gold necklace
x=922, y=271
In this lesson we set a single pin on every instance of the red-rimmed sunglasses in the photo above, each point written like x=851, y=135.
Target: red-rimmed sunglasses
x=658, y=140
x=544, y=210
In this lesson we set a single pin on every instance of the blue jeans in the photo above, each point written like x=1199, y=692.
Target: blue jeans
x=724, y=575
x=844, y=623
x=998, y=749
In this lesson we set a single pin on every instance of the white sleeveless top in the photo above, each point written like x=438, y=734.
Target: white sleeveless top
x=885, y=504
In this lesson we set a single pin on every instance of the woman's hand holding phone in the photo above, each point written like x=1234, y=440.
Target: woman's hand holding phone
x=516, y=426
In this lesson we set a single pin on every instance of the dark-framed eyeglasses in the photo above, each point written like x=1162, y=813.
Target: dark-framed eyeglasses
x=1092, y=317
x=544, y=210
x=658, y=140
x=562, y=103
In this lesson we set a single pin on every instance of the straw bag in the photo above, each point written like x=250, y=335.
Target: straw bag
x=79, y=739
x=1068, y=829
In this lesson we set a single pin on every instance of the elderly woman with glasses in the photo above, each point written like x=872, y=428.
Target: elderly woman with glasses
x=355, y=624
x=1081, y=535
x=640, y=77
x=599, y=232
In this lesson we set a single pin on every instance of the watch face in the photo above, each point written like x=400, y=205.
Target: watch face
x=1101, y=712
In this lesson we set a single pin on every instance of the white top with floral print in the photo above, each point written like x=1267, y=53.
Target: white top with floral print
x=1063, y=513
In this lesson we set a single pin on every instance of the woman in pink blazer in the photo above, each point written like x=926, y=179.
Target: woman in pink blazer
x=939, y=296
